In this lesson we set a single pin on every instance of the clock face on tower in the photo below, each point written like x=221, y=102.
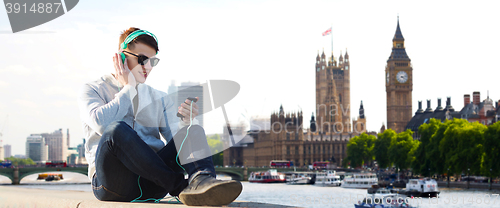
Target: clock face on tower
x=388, y=77
x=402, y=77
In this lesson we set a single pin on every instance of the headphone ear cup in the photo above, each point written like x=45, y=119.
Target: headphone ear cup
x=123, y=57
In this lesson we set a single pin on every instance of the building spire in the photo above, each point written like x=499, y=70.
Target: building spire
x=361, y=111
x=312, y=123
x=398, y=35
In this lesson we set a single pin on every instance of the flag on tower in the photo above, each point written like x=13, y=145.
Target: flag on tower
x=327, y=32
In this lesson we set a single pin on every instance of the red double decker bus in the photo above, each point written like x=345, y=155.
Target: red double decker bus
x=56, y=164
x=320, y=165
x=280, y=164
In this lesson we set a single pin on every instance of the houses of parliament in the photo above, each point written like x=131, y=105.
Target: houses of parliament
x=326, y=136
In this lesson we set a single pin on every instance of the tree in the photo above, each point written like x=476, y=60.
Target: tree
x=215, y=143
x=490, y=159
x=381, y=149
x=411, y=155
x=354, y=147
x=400, y=149
x=360, y=149
x=433, y=155
x=421, y=164
x=427, y=156
x=462, y=146
x=19, y=161
x=216, y=147
x=218, y=159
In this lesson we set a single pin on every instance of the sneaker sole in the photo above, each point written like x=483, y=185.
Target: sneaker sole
x=221, y=194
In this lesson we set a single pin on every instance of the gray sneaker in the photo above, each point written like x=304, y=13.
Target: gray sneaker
x=205, y=190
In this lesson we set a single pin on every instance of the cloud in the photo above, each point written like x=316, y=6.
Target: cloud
x=53, y=90
x=4, y=84
x=26, y=103
x=17, y=70
x=63, y=103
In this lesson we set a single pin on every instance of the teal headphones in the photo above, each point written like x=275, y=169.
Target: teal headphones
x=131, y=37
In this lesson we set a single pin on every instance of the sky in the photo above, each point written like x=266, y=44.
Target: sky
x=268, y=47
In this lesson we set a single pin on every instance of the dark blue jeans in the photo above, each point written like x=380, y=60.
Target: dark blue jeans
x=122, y=156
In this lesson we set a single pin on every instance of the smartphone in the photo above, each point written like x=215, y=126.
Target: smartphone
x=189, y=98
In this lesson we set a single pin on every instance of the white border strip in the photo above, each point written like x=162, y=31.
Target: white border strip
x=64, y=6
x=210, y=94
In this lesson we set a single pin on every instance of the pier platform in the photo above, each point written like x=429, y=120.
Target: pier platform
x=472, y=185
x=15, y=196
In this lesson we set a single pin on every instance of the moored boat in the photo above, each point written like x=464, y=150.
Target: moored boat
x=327, y=178
x=424, y=187
x=384, y=198
x=270, y=176
x=383, y=193
x=43, y=176
x=299, y=179
x=388, y=202
x=373, y=189
x=360, y=180
x=53, y=178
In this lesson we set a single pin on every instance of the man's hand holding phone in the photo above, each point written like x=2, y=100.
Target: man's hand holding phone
x=185, y=109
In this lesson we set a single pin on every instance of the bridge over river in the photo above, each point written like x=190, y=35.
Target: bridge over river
x=16, y=174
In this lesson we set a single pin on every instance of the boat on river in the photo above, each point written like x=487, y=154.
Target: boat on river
x=50, y=176
x=383, y=198
x=360, y=180
x=327, y=178
x=389, y=202
x=424, y=187
x=270, y=176
x=53, y=178
x=300, y=179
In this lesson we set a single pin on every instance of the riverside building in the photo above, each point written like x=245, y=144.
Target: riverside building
x=287, y=137
x=330, y=130
x=486, y=112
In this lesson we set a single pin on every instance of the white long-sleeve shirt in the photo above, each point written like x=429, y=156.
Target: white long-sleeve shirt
x=105, y=100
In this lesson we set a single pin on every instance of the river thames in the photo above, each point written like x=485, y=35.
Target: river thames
x=298, y=195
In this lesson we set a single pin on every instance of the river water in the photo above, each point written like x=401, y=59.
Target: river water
x=297, y=195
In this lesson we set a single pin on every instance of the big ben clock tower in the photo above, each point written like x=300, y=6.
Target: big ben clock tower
x=399, y=84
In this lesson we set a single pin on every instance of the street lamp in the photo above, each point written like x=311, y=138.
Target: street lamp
x=468, y=178
x=398, y=175
x=448, y=174
x=491, y=178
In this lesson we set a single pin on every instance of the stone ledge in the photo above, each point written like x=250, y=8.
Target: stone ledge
x=12, y=196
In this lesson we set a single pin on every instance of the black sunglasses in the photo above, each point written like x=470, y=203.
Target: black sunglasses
x=143, y=60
